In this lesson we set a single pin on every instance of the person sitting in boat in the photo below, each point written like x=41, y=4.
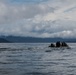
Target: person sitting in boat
x=59, y=44
x=52, y=45
x=64, y=44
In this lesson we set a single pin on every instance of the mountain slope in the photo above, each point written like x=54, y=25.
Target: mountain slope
x=19, y=39
x=2, y=40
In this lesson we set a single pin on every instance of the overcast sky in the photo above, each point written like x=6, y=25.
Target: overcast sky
x=38, y=18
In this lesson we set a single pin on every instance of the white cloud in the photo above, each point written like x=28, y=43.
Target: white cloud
x=54, y=18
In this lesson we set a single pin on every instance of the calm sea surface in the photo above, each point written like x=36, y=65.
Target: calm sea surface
x=36, y=59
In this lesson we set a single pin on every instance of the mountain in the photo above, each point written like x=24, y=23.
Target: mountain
x=2, y=40
x=19, y=39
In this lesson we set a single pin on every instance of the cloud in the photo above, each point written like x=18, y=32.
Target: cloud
x=51, y=18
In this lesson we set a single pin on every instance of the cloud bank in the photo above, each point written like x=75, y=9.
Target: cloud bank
x=51, y=18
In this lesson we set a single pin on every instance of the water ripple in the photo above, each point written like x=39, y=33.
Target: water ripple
x=37, y=59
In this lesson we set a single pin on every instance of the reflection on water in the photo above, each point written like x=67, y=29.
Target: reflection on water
x=37, y=59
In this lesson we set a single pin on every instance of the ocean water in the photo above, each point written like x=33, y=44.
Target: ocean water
x=37, y=59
